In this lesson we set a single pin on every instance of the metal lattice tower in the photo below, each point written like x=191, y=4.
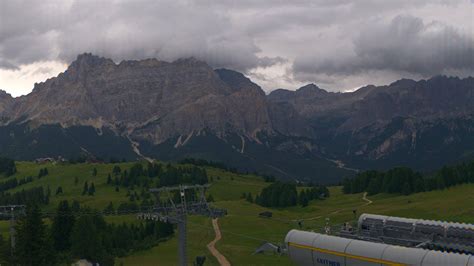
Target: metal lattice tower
x=174, y=208
x=9, y=211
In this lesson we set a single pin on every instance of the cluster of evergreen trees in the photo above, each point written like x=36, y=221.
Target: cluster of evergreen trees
x=402, y=180
x=269, y=178
x=78, y=234
x=315, y=192
x=202, y=162
x=167, y=175
x=220, y=165
x=88, y=189
x=43, y=172
x=153, y=175
x=285, y=194
x=7, y=166
x=183, y=175
x=87, y=158
x=36, y=194
x=144, y=196
x=13, y=183
x=25, y=180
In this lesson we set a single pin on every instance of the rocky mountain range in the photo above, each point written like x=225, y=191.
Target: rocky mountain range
x=174, y=110
x=407, y=123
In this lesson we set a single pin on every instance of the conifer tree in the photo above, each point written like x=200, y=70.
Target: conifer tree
x=110, y=208
x=210, y=198
x=86, y=240
x=34, y=246
x=249, y=197
x=75, y=206
x=406, y=189
x=91, y=191
x=303, y=199
x=40, y=174
x=62, y=226
x=86, y=188
x=116, y=170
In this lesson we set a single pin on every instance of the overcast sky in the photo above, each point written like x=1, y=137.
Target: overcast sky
x=339, y=45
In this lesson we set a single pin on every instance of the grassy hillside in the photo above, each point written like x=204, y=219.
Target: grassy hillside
x=242, y=230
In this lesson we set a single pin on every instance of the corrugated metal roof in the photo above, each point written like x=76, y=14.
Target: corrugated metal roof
x=415, y=221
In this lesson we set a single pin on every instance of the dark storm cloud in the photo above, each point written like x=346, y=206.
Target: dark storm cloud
x=406, y=44
x=7, y=65
x=336, y=42
x=123, y=30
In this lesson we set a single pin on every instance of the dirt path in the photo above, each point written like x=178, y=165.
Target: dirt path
x=364, y=198
x=212, y=245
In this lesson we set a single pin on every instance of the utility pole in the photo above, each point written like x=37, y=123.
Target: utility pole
x=8, y=211
x=167, y=210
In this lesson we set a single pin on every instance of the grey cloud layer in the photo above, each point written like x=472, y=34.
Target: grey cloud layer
x=336, y=42
x=406, y=44
x=122, y=30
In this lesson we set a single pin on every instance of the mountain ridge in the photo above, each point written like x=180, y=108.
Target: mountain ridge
x=184, y=108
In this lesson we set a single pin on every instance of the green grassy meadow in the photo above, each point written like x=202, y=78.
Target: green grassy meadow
x=242, y=230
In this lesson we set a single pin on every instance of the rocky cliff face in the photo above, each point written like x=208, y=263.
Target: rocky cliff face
x=5, y=101
x=385, y=125
x=147, y=99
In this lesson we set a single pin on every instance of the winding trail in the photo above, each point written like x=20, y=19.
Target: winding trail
x=364, y=198
x=212, y=245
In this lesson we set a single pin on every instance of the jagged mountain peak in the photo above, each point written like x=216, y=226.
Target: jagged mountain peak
x=86, y=63
x=5, y=95
x=190, y=61
x=231, y=75
x=443, y=78
x=90, y=60
x=309, y=87
x=149, y=62
x=438, y=79
x=402, y=83
x=310, y=90
x=5, y=101
x=238, y=81
x=364, y=89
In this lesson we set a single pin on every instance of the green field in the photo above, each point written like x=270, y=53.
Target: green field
x=242, y=230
